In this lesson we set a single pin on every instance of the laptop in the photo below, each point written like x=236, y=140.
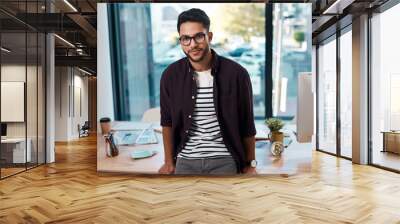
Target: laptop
x=135, y=137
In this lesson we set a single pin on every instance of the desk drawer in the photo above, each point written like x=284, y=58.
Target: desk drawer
x=392, y=142
x=15, y=152
x=6, y=153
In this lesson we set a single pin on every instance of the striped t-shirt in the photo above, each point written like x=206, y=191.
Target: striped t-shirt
x=205, y=139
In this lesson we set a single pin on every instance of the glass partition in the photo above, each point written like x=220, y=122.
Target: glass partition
x=22, y=78
x=327, y=96
x=14, y=152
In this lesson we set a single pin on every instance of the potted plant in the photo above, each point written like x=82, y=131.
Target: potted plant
x=275, y=125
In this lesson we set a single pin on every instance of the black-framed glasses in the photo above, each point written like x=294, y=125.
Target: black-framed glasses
x=198, y=38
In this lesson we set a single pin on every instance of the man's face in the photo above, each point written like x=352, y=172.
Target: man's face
x=195, y=48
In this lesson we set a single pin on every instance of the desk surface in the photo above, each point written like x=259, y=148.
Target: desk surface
x=14, y=140
x=296, y=158
x=391, y=132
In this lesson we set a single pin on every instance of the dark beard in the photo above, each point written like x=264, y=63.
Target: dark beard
x=203, y=55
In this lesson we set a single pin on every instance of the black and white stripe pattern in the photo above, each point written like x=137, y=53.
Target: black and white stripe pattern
x=205, y=139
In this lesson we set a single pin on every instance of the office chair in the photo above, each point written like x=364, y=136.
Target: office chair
x=84, y=130
x=152, y=115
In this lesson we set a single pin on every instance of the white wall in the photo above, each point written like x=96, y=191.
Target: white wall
x=12, y=73
x=61, y=104
x=69, y=82
x=33, y=126
x=105, y=104
x=79, y=117
x=13, y=101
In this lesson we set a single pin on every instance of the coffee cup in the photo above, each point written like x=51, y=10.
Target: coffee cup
x=105, y=125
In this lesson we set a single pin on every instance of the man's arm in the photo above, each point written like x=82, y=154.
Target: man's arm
x=166, y=122
x=250, y=146
x=246, y=116
x=169, y=166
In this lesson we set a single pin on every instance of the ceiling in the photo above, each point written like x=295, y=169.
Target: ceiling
x=329, y=15
x=74, y=22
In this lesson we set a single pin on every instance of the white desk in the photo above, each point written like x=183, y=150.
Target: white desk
x=295, y=159
x=18, y=150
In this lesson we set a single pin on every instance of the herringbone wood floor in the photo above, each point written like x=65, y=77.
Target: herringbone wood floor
x=70, y=191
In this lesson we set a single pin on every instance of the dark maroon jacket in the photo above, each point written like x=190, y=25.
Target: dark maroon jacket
x=233, y=99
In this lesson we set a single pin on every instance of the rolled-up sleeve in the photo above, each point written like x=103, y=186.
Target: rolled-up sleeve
x=165, y=101
x=246, y=115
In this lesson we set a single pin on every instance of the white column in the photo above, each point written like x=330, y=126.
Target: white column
x=360, y=90
x=105, y=105
x=50, y=99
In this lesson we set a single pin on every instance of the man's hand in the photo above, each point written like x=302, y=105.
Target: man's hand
x=167, y=168
x=249, y=170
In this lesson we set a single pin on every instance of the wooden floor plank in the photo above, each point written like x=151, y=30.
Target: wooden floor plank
x=71, y=191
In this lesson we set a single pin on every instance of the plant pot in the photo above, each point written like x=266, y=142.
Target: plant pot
x=277, y=136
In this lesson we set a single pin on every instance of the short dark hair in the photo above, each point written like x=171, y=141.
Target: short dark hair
x=194, y=15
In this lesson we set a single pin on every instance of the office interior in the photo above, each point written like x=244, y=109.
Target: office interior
x=49, y=86
x=70, y=52
x=48, y=80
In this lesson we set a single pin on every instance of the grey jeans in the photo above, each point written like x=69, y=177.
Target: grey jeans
x=222, y=165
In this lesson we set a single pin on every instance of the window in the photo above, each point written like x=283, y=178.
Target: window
x=346, y=93
x=147, y=42
x=385, y=89
x=291, y=54
x=334, y=106
x=327, y=96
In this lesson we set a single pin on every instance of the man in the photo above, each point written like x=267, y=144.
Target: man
x=206, y=107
